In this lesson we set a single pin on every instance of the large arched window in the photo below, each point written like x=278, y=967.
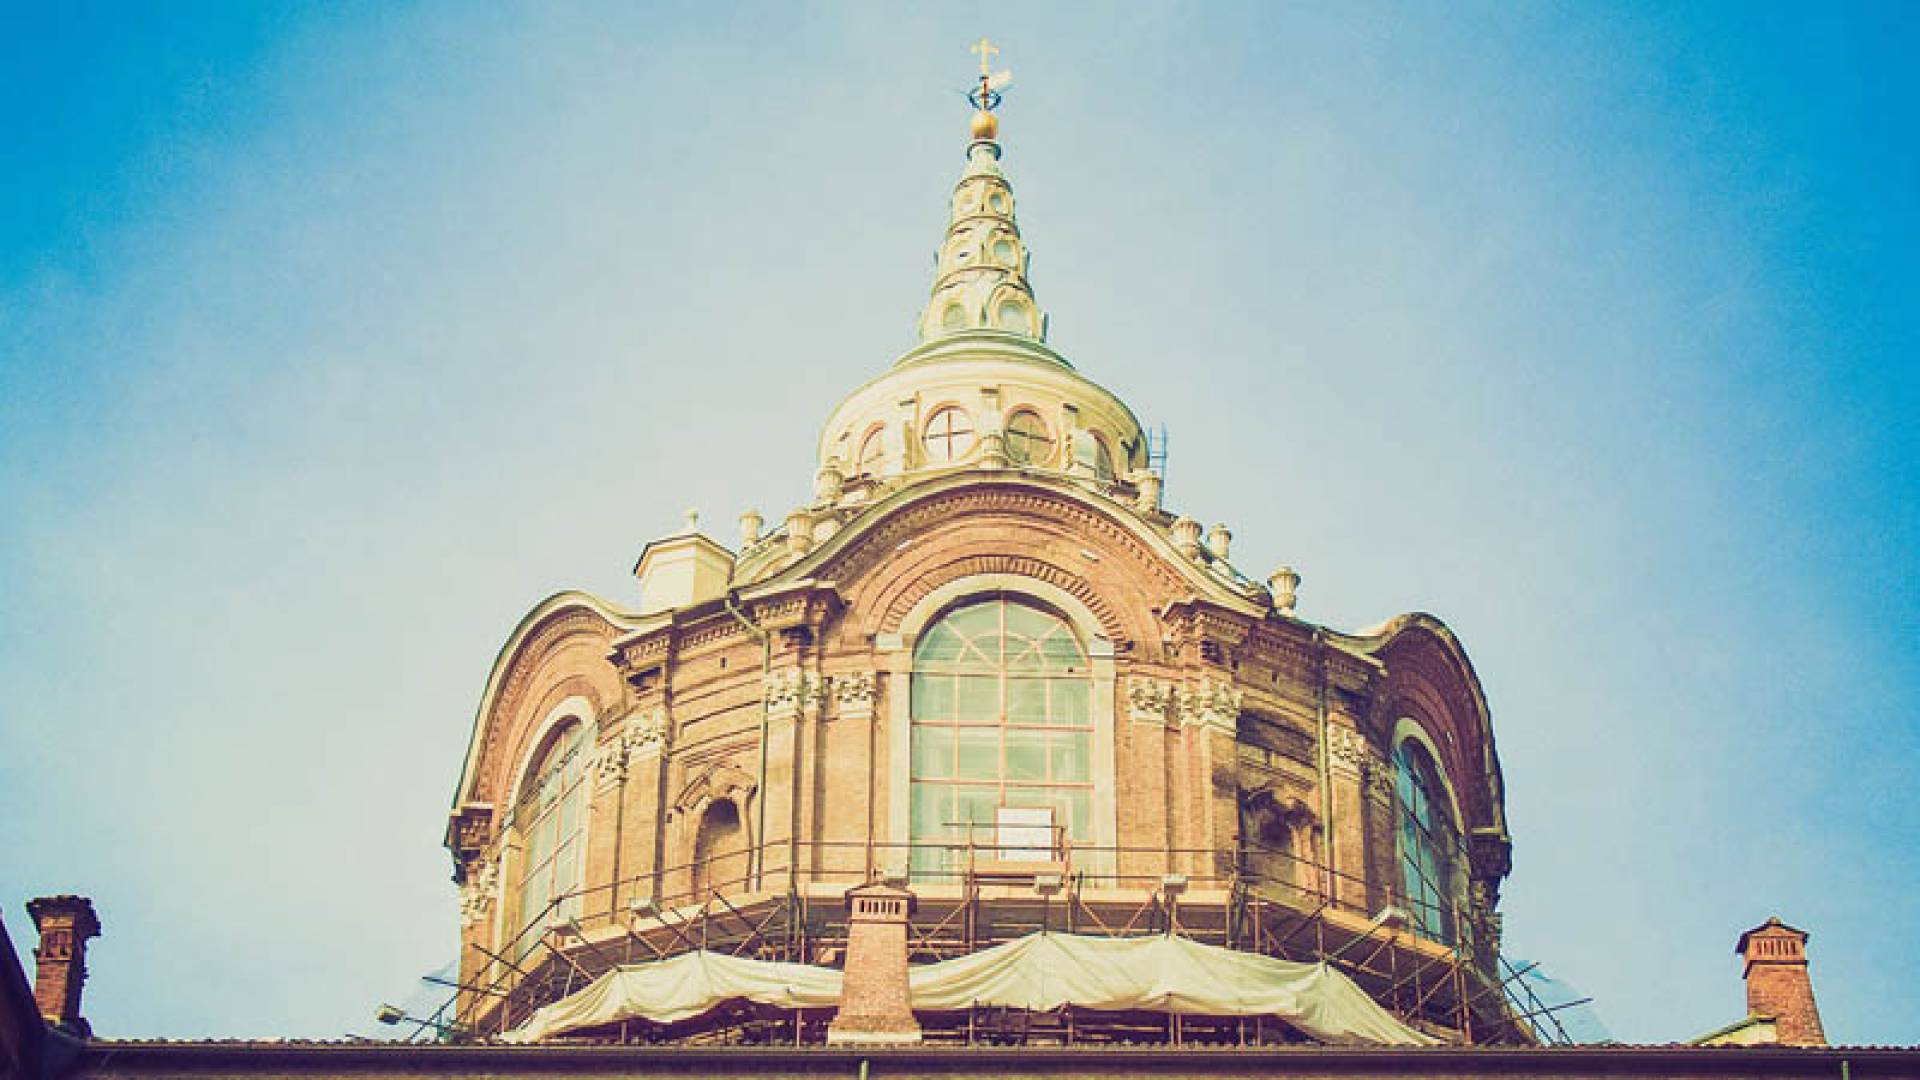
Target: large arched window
x=1427, y=841
x=1002, y=736
x=550, y=818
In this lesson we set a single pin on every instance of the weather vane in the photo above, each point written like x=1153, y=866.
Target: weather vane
x=986, y=96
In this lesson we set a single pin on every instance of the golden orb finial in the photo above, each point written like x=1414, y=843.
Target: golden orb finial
x=985, y=126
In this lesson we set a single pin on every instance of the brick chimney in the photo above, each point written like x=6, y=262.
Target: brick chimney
x=1778, y=984
x=65, y=923
x=876, y=1005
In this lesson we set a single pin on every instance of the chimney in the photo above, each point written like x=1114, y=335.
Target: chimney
x=876, y=1004
x=65, y=923
x=1778, y=984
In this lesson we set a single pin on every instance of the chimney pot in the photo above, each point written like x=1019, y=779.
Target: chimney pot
x=66, y=924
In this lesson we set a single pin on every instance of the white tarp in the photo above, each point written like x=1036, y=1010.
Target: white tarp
x=680, y=987
x=1159, y=974
x=1039, y=972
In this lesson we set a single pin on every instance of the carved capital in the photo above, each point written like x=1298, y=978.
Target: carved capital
x=1150, y=701
x=1347, y=750
x=478, y=893
x=1378, y=774
x=644, y=735
x=793, y=693
x=1212, y=704
x=854, y=694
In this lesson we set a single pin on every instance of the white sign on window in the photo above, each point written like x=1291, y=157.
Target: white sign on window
x=1024, y=833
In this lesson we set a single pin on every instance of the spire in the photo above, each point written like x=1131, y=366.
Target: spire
x=980, y=280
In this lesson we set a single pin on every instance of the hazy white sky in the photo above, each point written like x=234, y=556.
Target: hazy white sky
x=333, y=338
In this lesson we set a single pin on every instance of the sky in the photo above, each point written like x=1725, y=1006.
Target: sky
x=333, y=337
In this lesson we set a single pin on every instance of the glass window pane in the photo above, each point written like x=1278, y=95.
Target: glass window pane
x=1027, y=622
x=937, y=645
x=1079, y=806
x=932, y=811
x=1069, y=698
x=1026, y=701
x=1062, y=652
x=975, y=619
x=933, y=697
x=1026, y=754
x=979, y=699
x=979, y=753
x=1072, y=757
x=932, y=752
x=977, y=805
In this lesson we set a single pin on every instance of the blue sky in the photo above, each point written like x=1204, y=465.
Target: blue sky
x=333, y=337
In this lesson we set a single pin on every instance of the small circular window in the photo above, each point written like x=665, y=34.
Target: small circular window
x=949, y=435
x=953, y=318
x=997, y=203
x=1003, y=252
x=1028, y=442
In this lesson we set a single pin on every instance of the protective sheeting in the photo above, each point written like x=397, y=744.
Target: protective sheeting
x=1159, y=974
x=680, y=987
x=1041, y=972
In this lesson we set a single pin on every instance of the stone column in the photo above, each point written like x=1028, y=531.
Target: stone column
x=876, y=1005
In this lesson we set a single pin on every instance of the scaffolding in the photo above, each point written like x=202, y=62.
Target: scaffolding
x=973, y=894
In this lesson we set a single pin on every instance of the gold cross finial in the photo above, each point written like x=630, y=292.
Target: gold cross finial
x=987, y=51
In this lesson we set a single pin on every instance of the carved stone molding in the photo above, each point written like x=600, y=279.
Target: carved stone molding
x=1378, y=773
x=478, y=893
x=645, y=734
x=1150, y=701
x=793, y=693
x=1212, y=704
x=853, y=695
x=1347, y=750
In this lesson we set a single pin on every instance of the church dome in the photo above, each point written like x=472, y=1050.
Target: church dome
x=982, y=389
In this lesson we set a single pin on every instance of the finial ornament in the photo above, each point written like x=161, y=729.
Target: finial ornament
x=986, y=96
x=987, y=50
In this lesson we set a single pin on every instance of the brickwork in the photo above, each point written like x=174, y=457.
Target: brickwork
x=66, y=924
x=1778, y=983
x=873, y=997
x=1186, y=655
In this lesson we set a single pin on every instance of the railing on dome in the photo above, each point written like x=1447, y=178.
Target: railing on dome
x=974, y=893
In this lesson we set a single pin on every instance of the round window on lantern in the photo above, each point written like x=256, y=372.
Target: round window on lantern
x=949, y=435
x=1028, y=441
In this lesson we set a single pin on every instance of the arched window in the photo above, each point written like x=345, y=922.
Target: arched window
x=550, y=817
x=1028, y=442
x=1102, y=457
x=1427, y=841
x=872, y=449
x=949, y=435
x=1013, y=316
x=1002, y=736
x=719, y=850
